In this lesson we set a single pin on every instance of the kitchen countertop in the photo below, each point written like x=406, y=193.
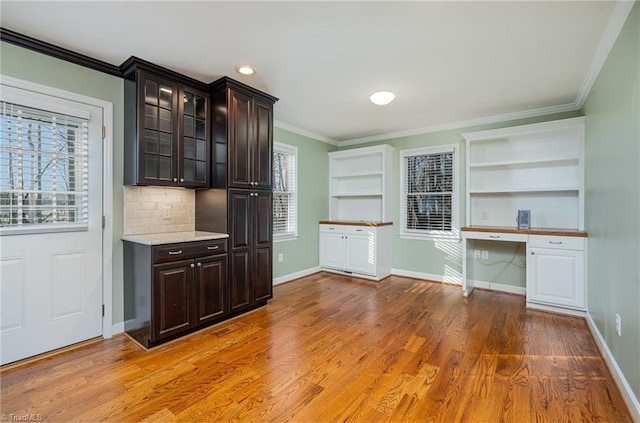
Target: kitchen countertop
x=173, y=237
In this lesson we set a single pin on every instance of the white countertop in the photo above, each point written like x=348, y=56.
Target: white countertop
x=173, y=237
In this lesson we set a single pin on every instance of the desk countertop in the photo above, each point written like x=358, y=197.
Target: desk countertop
x=532, y=231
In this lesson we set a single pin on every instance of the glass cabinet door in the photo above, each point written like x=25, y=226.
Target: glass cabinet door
x=159, y=100
x=194, y=137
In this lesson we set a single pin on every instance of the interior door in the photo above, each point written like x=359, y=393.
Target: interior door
x=50, y=223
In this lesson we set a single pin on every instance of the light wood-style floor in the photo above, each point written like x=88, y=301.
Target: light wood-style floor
x=331, y=348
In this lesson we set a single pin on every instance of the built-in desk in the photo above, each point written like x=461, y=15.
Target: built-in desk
x=556, y=267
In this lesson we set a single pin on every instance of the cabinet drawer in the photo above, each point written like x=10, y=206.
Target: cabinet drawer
x=495, y=236
x=360, y=230
x=335, y=229
x=557, y=242
x=188, y=250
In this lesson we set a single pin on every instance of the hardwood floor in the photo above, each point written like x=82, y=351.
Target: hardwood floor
x=332, y=348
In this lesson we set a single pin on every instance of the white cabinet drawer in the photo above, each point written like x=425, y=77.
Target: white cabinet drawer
x=335, y=229
x=494, y=236
x=360, y=230
x=557, y=242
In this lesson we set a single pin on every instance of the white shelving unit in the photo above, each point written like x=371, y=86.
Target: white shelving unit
x=360, y=184
x=538, y=167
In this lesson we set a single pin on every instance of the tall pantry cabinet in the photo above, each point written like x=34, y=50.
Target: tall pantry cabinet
x=242, y=145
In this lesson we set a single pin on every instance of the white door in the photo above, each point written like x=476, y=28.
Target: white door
x=332, y=251
x=361, y=253
x=50, y=223
x=556, y=277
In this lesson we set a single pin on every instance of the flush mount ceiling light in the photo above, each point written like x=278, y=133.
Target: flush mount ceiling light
x=246, y=69
x=382, y=98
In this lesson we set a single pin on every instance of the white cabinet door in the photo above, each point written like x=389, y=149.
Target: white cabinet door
x=556, y=277
x=332, y=250
x=361, y=254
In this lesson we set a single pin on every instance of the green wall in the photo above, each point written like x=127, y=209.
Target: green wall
x=612, y=206
x=313, y=204
x=444, y=258
x=27, y=65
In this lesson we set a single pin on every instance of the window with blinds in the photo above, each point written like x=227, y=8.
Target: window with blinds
x=284, y=191
x=429, y=190
x=43, y=169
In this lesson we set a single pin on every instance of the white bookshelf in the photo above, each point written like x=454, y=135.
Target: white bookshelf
x=360, y=184
x=538, y=167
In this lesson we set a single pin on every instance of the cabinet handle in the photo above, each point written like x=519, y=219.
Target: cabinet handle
x=213, y=248
x=175, y=253
x=175, y=179
x=331, y=229
x=555, y=242
x=181, y=179
x=192, y=265
x=532, y=253
x=358, y=230
x=494, y=236
x=199, y=264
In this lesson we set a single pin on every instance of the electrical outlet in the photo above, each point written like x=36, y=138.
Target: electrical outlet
x=484, y=215
x=280, y=258
x=476, y=253
x=618, y=325
x=166, y=212
x=485, y=255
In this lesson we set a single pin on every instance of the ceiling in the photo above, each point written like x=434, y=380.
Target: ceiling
x=448, y=62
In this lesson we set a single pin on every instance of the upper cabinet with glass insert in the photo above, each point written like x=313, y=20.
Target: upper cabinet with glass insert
x=167, y=135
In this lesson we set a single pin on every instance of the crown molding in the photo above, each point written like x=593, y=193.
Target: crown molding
x=304, y=132
x=43, y=47
x=611, y=33
x=542, y=111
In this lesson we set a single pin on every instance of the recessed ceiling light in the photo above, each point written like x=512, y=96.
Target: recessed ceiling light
x=246, y=70
x=382, y=98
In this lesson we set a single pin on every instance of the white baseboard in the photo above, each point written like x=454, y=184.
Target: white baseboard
x=117, y=328
x=520, y=290
x=627, y=393
x=454, y=279
x=296, y=275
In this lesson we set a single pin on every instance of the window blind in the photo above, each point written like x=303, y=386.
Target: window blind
x=284, y=191
x=43, y=168
x=428, y=192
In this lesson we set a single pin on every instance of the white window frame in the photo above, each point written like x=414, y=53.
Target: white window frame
x=454, y=234
x=292, y=150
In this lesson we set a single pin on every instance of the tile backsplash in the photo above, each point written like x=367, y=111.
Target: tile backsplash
x=157, y=209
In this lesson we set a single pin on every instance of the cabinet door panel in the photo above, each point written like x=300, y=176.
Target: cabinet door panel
x=332, y=251
x=263, y=274
x=157, y=138
x=172, y=296
x=556, y=277
x=240, y=282
x=263, y=148
x=263, y=209
x=361, y=254
x=194, y=138
x=240, y=219
x=240, y=134
x=211, y=288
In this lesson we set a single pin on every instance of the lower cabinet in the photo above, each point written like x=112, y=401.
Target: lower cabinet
x=250, y=226
x=172, y=289
x=356, y=249
x=556, y=272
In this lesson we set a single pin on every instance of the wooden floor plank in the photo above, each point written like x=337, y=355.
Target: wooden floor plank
x=333, y=348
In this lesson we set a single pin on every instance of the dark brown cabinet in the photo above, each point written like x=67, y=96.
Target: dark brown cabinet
x=251, y=248
x=172, y=289
x=167, y=129
x=243, y=136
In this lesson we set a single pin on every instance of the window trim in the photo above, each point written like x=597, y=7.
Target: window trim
x=454, y=234
x=293, y=150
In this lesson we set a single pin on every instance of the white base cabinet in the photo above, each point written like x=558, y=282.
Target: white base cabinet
x=556, y=272
x=356, y=249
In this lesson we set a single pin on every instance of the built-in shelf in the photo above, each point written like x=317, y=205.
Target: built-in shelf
x=360, y=184
x=536, y=167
